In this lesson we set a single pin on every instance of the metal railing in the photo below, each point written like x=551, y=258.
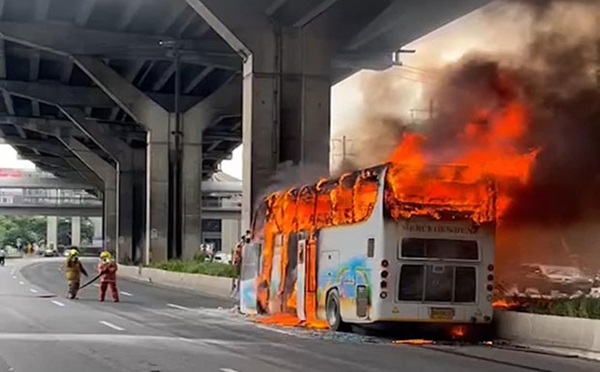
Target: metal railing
x=49, y=201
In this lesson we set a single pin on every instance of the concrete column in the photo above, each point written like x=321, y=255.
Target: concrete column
x=139, y=206
x=155, y=120
x=97, y=222
x=125, y=192
x=52, y=231
x=76, y=231
x=123, y=156
x=286, y=91
x=108, y=175
x=192, y=187
x=230, y=234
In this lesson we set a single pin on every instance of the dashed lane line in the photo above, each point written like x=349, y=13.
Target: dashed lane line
x=110, y=325
x=227, y=370
x=22, y=283
x=96, y=285
x=179, y=307
x=14, y=277
x=126, y=293
x=33, y=290
x=58, y=303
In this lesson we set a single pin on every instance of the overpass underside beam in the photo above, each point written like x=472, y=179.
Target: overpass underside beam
x=286, y=92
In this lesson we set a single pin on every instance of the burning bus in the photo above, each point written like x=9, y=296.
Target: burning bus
x=384, y=244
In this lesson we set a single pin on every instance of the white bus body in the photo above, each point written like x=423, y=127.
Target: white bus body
x=382, y=270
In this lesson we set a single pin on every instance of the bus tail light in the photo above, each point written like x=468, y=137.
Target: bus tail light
x=384, y=274
x=490, y=277
x=383, y=295
x=490, y=267
x=385, y=263
x=383, y=284
x=490, y=287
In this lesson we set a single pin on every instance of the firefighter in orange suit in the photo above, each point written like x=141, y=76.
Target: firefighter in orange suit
x=107, y=268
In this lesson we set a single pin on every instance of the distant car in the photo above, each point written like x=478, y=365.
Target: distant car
x=222, y=257
x=50, y=253
x=548, y=278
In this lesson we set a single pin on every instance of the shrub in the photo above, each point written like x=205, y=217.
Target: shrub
x=576, y=308
x=197, y=266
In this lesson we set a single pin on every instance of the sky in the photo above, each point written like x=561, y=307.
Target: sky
x=444, y=45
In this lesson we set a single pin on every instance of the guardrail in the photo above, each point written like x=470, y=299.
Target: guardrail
x=49, y=201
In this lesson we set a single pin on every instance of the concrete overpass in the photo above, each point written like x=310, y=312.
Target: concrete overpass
x=93, y=208
x=143, y=99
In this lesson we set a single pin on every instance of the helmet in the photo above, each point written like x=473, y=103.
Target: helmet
x=105, y=255
x=73, y=253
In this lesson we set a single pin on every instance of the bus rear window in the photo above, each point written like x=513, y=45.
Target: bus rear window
x=439, y=249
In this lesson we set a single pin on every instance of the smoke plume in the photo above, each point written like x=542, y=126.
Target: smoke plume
x=553, y=76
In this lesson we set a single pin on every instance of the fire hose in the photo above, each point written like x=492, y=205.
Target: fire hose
x=92, y=280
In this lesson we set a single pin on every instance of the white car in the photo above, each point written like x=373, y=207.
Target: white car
x=223, y=257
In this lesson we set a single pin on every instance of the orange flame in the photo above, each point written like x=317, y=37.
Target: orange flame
x=469, y=183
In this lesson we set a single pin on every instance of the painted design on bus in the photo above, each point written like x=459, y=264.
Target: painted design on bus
x=345, y=277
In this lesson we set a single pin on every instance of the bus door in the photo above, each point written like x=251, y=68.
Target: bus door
x=277, y=275
x=301, y=280
x=250, y=271
x=307, y=280
x=291, y=274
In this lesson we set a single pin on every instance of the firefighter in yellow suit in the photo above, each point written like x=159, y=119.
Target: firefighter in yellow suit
x=73, y=271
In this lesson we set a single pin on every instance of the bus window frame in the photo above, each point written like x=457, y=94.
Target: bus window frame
x=400, y=257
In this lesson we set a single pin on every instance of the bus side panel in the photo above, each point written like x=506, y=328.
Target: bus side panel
x=344, y=265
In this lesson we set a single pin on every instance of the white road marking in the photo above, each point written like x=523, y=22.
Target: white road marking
x=96, y=285
x=22, y=283
x=58, y=303
x=14, y=277
x=227, y=370
x=126, y=293
x=33, y=290
x=178, y=307
x=110, y=325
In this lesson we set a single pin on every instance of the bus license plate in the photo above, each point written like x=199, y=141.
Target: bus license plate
x=442, y=313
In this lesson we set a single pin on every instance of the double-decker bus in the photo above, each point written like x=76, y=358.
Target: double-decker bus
x=355, y=250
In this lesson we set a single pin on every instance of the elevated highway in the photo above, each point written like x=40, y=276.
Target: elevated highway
x=143, y=99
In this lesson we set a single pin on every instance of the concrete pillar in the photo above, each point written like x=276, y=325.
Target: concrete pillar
x=123, y=156
x=76, y=231
x=192, y=186
x=157, y=122
x=52, y=231
x=230, y=234
x=286, y=91
x=108, y=175
x=98, y=227
x=139, y=206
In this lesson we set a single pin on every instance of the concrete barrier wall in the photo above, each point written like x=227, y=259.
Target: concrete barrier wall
x=551, y=331
x=211, y=285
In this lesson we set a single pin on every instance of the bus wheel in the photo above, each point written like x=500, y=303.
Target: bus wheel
x=334, y=319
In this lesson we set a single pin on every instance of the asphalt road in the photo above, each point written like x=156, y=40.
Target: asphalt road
x=157, y=329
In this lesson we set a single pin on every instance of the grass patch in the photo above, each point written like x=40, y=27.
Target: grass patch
x=577, y=308
x=197, y=266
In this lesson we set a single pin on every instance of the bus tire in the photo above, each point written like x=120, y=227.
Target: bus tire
x=332, y=310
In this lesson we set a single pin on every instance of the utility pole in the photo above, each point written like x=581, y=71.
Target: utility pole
x=344, y=142
x=429, y=111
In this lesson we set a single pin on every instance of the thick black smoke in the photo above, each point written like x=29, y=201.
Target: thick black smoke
x=555, y=78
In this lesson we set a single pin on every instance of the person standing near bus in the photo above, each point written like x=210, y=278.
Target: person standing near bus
x=107, y=268
x=2, y=256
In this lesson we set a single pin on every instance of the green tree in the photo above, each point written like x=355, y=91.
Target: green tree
x=32, y=230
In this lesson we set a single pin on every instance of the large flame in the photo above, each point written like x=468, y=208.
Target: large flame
x=469, y=183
